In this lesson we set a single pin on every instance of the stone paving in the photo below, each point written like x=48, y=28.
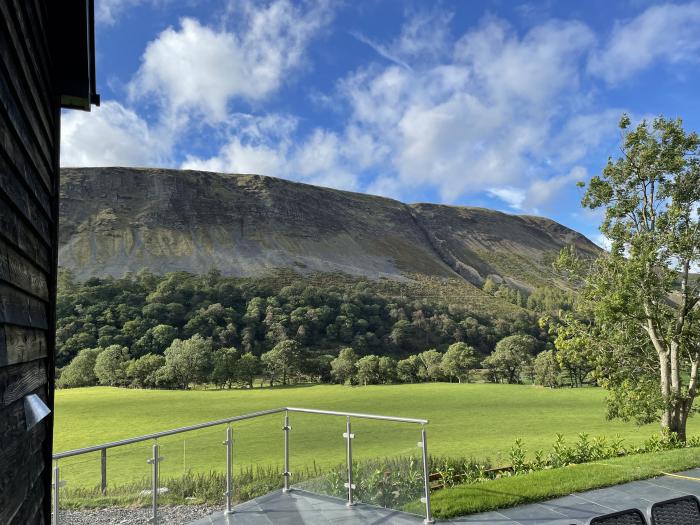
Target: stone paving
x=304, y=508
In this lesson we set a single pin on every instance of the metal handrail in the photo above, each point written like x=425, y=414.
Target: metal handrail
x=156, y=435
x=154, y=461
x=358, y=415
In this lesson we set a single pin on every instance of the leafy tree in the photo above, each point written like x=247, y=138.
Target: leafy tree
x=111, y=364
x=188, y=361
x=402, y=334
x=546, y=369
x=343, y=366
x=248, y=368
x=459, y=360
x=73, y=345
x=317, y=368
x=81, y=370
x=225, y=367
x=642, y=297
x=387, y=370
x=155, y=340
x=431, y=365
x=142, y=372
x=407, y=370
x=284, y=360
x=511, y=355
x=368, y=372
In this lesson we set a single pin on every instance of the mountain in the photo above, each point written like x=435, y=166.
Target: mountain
x=117, y=220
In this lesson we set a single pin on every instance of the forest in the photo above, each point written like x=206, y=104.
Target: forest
x=180, y=329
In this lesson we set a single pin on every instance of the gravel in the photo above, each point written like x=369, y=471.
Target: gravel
x=175, y=515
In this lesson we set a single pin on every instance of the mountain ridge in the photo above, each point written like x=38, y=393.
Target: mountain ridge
x=116, y=220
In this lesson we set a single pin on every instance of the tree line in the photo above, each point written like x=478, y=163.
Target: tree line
x=195, y=361
x=145, y=313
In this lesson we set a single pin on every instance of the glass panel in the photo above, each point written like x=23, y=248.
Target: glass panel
x=317, y=454
x=192, y=474
x=387, y=466
x=258, y=457
x=127, y=491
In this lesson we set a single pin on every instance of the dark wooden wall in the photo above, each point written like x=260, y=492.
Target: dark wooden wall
x=29, y=135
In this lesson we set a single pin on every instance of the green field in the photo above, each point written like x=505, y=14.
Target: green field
x=478, y=420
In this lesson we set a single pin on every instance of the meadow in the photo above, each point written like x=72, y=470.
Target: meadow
x=470, y=420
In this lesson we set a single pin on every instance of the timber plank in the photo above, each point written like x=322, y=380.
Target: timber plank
x=18, y=156
x=20, y=309
x=12, y=175
x=17, y=270
x=17, y=381
x=17, y=105
x=25, y=202
x=38, y=46
x=22, y=458
x=22, y=238
x=31, y=510
x=20, y=345
x=21, y=133
x=25, y=64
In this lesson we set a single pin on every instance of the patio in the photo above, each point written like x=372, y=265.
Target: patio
x=304, y=508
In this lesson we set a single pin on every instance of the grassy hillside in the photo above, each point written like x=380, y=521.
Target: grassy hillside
x=478, y=420
x=115, y=220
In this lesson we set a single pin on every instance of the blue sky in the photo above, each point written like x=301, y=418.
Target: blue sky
x=500, y=104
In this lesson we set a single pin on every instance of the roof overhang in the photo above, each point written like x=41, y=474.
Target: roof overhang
x=73, y=25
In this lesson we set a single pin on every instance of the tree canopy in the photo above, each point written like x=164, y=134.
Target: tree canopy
x=641, y=296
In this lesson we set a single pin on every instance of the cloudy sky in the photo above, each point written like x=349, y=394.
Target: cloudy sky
x=487, y=103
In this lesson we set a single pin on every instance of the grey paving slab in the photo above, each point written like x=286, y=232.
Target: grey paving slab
x=579, y=508
x=304, y=508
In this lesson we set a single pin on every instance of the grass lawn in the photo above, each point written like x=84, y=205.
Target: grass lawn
x=479, y=420
x=507, y=492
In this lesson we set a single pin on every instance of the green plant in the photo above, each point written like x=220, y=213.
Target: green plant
x=517, y=457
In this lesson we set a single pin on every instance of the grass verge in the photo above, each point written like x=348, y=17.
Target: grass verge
x=506, y=492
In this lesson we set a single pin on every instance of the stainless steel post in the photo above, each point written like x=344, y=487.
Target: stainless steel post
x=349, y=436
x=426, y=477
x=229, y=470
x=56, y=486
x=103, y=471
x=286, y=429
x=154, y=483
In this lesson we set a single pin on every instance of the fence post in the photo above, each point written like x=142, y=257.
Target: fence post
x=154, y=461
x=56, y=486
x=426, y=477
x=229, y=470
x=103, y=471
x=349, y=436
x=286, y=474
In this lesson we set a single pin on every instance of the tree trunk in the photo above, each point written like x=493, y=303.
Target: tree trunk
x=664, y=372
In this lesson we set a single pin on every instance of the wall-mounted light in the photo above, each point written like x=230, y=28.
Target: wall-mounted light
x=34, y=410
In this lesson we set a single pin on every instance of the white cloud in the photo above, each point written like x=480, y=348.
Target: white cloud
x=480, y=118
x=514, y=197
x=196, y=68
x=424, y=38
x=266, y=146
x=668, y=32
x=108, y=11
x=111, y=135
x=538, y=192
x=236, y=157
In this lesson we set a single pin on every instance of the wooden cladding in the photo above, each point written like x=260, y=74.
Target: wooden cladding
x=29, y=119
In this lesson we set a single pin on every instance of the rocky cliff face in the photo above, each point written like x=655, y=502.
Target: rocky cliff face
x=116, y=220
